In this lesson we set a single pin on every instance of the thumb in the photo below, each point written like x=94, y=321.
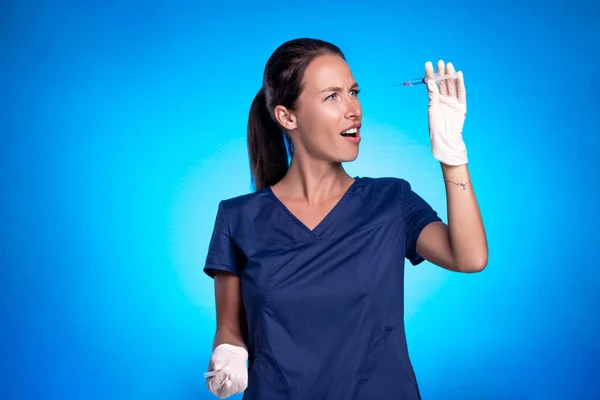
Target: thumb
x=217, y=366
x=433, y=91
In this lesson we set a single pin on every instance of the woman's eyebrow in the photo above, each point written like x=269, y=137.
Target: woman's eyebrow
x=337, y=88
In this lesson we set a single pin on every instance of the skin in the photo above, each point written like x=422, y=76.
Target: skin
x=327, y=106
x=461, y=245
x=316, y=181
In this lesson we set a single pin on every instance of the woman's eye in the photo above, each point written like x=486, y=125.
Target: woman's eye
x=353, y=92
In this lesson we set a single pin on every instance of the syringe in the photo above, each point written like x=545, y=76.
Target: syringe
x=211, y=373
x=436, y=78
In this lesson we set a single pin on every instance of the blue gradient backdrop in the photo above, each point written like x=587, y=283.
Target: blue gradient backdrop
x=123, y=125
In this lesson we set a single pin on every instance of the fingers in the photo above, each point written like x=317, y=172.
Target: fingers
x=232, y=385
x=216, y=366
x=217, y=381
x=451, y=83
x=441, y=70
x=461, y=91
x=228, y=364
x=237, y=384
x=226, y=390
x=432, y=88
x=454, y=88
x=233, y=382
x=213, y=385
x=225, y=383
x=429, y=70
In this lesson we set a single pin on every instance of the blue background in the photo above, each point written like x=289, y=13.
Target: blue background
x=123, y=125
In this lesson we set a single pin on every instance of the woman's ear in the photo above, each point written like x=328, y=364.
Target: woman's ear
x=285, y=118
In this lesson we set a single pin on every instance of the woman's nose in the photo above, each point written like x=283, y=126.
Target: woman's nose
x=353, y=109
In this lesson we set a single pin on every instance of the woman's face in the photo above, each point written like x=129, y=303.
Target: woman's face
x=327, y=108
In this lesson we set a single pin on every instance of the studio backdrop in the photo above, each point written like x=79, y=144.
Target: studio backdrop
x=123, y=124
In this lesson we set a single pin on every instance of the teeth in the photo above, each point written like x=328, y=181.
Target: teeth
x=351, y=130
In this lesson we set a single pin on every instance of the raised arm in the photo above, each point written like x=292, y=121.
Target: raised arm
x=461, y=245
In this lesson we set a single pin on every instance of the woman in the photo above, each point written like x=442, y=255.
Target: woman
x=309, y=268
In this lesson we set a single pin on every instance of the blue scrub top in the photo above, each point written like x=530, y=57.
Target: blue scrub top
x=324, y=307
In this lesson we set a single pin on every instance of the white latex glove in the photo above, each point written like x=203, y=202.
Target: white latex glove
x=447, y=112
x=228, y=362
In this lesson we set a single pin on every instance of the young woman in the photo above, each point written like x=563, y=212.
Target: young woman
x=309, y=268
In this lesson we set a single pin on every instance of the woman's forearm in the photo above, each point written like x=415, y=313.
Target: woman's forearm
x=466, y=231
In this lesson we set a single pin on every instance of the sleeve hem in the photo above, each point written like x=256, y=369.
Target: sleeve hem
x=415, y=258
x=210, y=269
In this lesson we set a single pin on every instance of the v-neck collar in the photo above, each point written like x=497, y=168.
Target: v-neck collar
x=322, y=224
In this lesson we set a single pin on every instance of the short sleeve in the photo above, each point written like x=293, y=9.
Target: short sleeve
x=221, y=250
x=417, y=214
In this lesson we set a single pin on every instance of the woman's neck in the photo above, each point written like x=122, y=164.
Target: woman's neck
x=313, y=181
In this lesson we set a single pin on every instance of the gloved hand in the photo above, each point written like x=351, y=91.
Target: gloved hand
x=229, y=363
x=447, y=112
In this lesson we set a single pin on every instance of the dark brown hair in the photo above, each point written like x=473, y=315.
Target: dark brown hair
x=268, y=146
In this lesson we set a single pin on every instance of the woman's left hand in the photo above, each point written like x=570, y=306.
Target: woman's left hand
x=447, y=112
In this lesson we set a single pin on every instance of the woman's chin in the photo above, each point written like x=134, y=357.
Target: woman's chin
x=349, y=157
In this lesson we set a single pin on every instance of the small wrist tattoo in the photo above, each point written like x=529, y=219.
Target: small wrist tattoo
x=461, y=184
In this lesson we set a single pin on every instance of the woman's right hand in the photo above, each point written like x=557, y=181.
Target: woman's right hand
x=229, y=363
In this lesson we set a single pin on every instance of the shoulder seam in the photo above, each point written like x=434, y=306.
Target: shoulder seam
x=225, y=217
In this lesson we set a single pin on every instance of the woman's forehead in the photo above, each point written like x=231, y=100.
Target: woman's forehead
x=327, y=71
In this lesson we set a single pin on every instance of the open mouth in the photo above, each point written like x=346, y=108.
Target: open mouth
x=350, y=132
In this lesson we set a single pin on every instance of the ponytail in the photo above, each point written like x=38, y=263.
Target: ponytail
x=266, y=145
